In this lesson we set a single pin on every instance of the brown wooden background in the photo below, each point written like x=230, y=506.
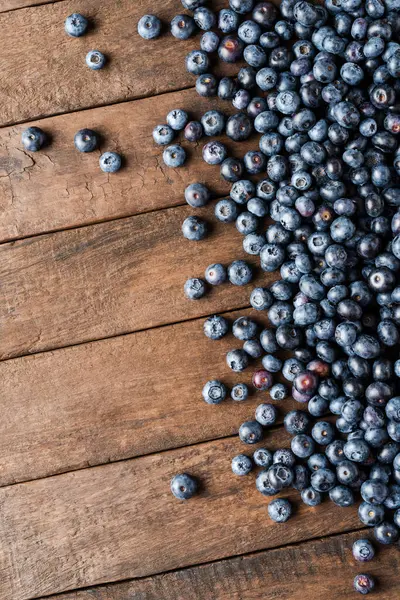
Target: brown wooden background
x=103, y=360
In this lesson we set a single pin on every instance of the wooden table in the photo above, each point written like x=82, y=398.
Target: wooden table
x=103, y=360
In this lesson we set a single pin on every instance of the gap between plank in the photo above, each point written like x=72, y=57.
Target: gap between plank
x=4, y=12
x=256, y=553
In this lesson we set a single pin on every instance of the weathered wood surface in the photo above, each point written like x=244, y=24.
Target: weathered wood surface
x=117, y=398
x=314, y=570
x=59, y=187
x=120, y=521
x=6, y=5
x=45, y=73
x=104, y=280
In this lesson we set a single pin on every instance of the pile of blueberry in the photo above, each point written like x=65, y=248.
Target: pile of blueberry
x=318, y=201
x=85, y=140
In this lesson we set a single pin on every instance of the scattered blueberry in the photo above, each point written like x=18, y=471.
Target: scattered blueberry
x=110, y=162
x=95, y=60
x=149, y=27
x=183, y=486
x=86, y=140
x=33, y=139
x=76, y=25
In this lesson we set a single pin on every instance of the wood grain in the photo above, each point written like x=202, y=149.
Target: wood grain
x=45, y=73
x=6, y=5
x=117, y=398
x=315, y=570
x=59, y=187
x=104, y=280
x=120, y=521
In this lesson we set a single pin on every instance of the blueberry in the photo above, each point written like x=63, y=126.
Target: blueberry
x=323, y=480
x=347, y=472
x=241, y=465
x=174, y=156
x=232, y=169
x=226, y=210
x=204, y=18
x=193, y=131
x=33, y=139
x=240, y=272
x=214, y=392
x=110, y=162
x=216, y=327
x=301, y=478
x=244, y=328
x=253, y=348
x=197, y=62
x=311, y=497
x=386, y=533
x=302, y=445
x=182, y=27
x=197, y=195
x=228, y=20
x=249, y=32
x=237, y=360
x=370, y=514
x=280, y=510
x=266, y=414
x=183, y=486
x=342, y=496
x=239, y=127
x=280, y=476
x=86, y=140
x=363, y=550
x=363, y=583
x=194, y=288
x=76, y=25
x=163, y=134
x=194, y=228
x=250, y=432
x=95, y=60
x=278, y=391
x=214, y=153
x=230, y=49
x=241, y=6
x=177, y=119
x=262, y=458
x=215, y=274
x=296, y=422
x=209, y=41
x=206, y=85
x=239, y=393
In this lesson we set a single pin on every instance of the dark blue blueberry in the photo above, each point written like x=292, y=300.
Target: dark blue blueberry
x=261, y=298
x=301, y=477
x=214, y=392
x=194, y=288
x=271, y=363
x=323, y=480
x=182, y=27
x=240, y=272
x=204, y=18
x=278, y=391
x=174, y=156
x=386, y=533
x=280, y=510
x=214, y=152
x=284, y=456
x=86, y=140
x=230, y=49
x=311, y=497
x=163, y=135
x=244, y=328
x=197, y=195
x=374, y=491
x=216, y=327
x=76, y=25
x=240, y=392
x=363, y=583
x=280, y=476
x=193, y=131
x=342, y=496
x=228, y=20
x=237, y=360
x=239, y=127
x=215, y=274
x=197, y=62
x=296, y=422
x=370, y=514
x=33, y=139
x=249, y=32
x=110, y=162
x=95, y=60
x=250, y=432
x=241, y=6
x=253, y=348
x=232, y=169
x=302, y=445
x=194, y=228
x=264, y=485
x=347, y=472
x=226, y=210
x=177, y=119
x=183, y=486
x=253, y=243
x=242, y=465
x=363, y=550
x=206, y=85
x=262, y=458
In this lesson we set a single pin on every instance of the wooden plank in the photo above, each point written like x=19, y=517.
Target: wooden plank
x=99, y=281
x=45, y=73
x=317, y=569
x=120, y=521
x=7, y=5
x=116, y=399
x=59, y=187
